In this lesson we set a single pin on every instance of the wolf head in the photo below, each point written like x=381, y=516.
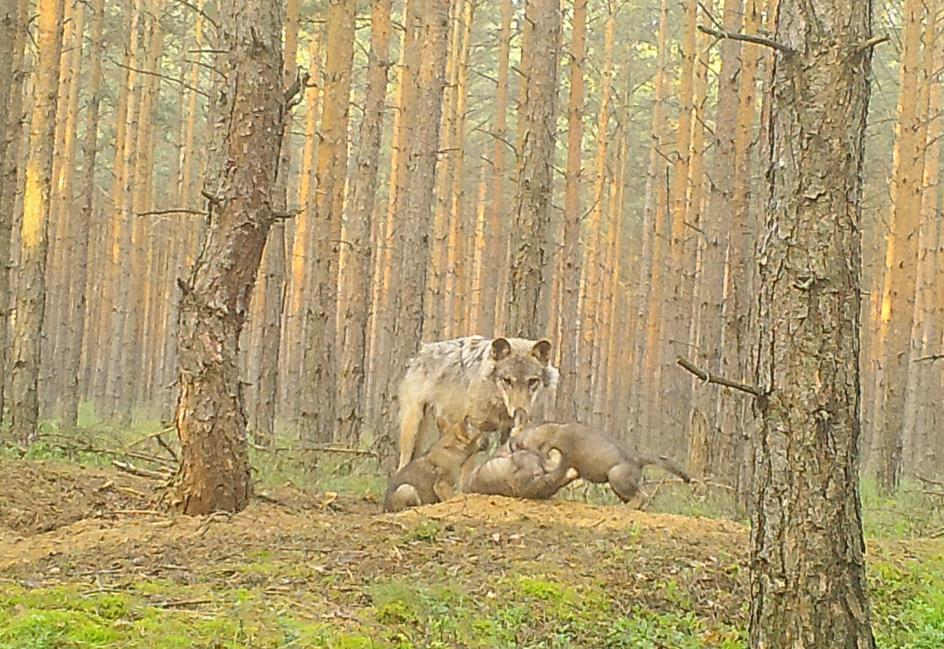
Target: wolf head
x=521, y=371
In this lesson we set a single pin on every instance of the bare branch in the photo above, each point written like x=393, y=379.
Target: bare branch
x=872, y=42
x=719, y=380
x=747, y=38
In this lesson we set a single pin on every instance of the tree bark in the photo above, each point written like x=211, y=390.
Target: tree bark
x=571, y=253
x=356, y=279
x=214, y=472
x=496, y=237
x=31, y=280
x=531, y=264
x=82, y=222
x=271, y=292
x=319, y=408
x=13, y=21
x=412, y=247
x=808, y=584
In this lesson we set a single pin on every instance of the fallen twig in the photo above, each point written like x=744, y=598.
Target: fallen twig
x=127, y=467
x=183, y=603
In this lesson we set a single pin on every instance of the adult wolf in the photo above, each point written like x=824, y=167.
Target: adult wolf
x=486, y=380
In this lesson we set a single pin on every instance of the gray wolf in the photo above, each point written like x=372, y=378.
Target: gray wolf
x=432, y=478
x=521, y=474
x=486, y=380
x=596, y=456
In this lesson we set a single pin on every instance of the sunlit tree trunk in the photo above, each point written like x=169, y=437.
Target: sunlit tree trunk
x=356, y=279
x=654, y=234
x=411, y=248
x=388, y=257
x=531, y=261
x=319, y=408
x=901, y=256
x=214, y=473
x=82, y=224
x=496, y=234
x=13, y=21
x=571, y=253
x=300, y=257
x=31, y=280
x=808, y=586
x=594, y=251
x=458, y=249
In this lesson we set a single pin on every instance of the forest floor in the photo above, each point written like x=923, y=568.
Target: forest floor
x=88, y=560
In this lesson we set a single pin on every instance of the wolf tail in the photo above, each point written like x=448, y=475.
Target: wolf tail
x=669, y=465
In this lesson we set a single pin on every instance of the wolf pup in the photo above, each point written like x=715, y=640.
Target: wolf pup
x=486, y=380
x=521, y=474
x=597, y=456
x=432, y=478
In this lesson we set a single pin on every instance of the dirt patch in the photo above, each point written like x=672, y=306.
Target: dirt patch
x=43, y=496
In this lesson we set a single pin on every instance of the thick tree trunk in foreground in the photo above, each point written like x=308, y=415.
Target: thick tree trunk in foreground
x=31, y=282
x=214, y=472
x=531, y=261
x=808, y=575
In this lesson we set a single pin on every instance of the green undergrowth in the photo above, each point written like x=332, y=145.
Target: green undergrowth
x=520, y=609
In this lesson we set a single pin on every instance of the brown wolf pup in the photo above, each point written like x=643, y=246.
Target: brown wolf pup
x=432, y=478
x=597, y=456
x=521, y=474
x=486, y=380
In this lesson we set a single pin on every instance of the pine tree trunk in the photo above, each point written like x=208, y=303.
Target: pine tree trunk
x=531, y=259
x=571, y=253
x=356, y=279
x=496, y=236
x=319, y=409
x=594, y=254
x=808, y=584
x=411, y=248
x=898, y=294
x=31, y=280
x=214, y=473
x=270, y=292
x=13, y=20
x=739, y=293
x=82, y=223
x=651, y=280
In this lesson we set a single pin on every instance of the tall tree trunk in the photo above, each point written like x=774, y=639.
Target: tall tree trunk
x=13, y=22
x=654, y=224
x=214, y=473
x=319, y=409
x=571, y=253
x=594, y=255
x=531, y=264
x=808, y=584
x=31, y=280
x=457, y=252
x=82, y=223
x=705, y=429
x=739, y=293
x=300, y=260
x=411, y=248
x=356, y=280
x=496, y=237
x=271, y=291
x=388, y=257
x=901, y=256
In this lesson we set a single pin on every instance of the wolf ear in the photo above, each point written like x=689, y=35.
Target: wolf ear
x=500, y=349
x=542, y=350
